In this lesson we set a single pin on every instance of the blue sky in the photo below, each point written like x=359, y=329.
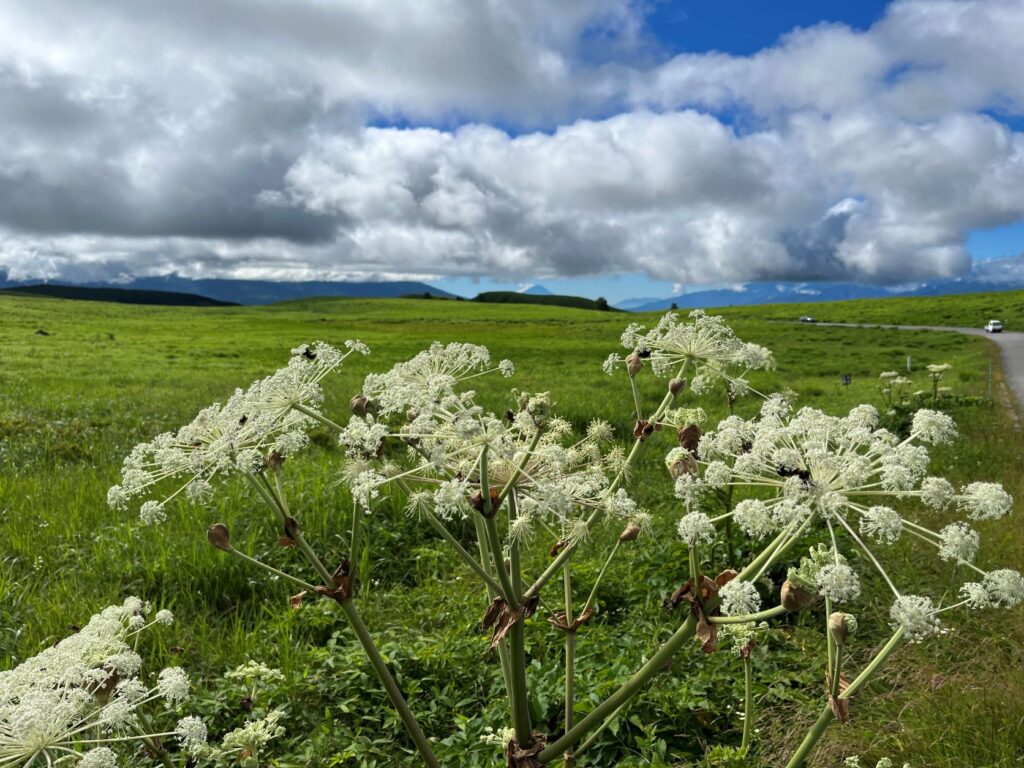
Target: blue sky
x=616, y=148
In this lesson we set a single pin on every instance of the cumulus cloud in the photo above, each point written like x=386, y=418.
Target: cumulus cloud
x=287, y=139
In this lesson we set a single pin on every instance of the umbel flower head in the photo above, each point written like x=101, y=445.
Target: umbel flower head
x=849, y=477
x=84, y=693
x=268, y=420
x=450, y=440
x=705, y=348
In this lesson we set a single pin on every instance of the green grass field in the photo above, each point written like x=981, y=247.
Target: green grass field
x=74, y=402
x=972, y=310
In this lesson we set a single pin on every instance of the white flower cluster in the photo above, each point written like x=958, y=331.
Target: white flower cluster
x=272, y=417
x=420, y=403
x=846, y=475
x=84, y=692
x=706, y=346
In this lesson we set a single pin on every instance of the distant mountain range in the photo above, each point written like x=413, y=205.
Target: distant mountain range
x=792, y=293
x=254, y=291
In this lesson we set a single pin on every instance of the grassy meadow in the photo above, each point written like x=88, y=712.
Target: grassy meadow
x=970, y=310
x=82, y=382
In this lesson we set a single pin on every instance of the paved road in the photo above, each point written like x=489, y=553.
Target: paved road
x=1011, y=347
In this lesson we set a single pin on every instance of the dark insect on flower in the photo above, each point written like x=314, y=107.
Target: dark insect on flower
x=309, y=354
x=803, y=474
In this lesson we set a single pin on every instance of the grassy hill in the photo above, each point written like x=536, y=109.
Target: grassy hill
x=547, y=300
x=971, y=309
x=73, y=403
x=117, y=295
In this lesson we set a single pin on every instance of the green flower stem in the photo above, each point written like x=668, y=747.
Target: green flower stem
x=636, y=397
x=519, y=692
x=817, y=730
x=471, y=561
x=318, y=416
x=748, y=702
x=493, y=539
x=384, y=674
x=357, y=525
x=518, y=471
x=486, y=563
x=156, y=749
x=271, y=569
x=556, y=565
x=768, y=613
x=570, y=663
x=654, y=665
x=277, y=502
x=597, y=731
x=830, y=641
x=695, y=577
x=600, y=575
x=836, y=671
x=514, y=559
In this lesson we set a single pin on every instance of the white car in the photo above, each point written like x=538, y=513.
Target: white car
x=994, y=326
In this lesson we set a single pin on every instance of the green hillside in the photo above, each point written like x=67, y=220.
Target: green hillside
x=117, y=295
x=107, y=376
x=547, y=300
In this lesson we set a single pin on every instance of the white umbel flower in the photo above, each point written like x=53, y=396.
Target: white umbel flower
x=100, y=757
x=915, y=614
x=173, y=684
x=883, y=524
x=958, y=542
x=985, y=501
x=933, y=427
x=839, y=582
x=696, y=528
x=754, y=518
x=739, y=598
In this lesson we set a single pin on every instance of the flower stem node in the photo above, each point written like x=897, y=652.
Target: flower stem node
x=477, y=502
x=643, y=429
x=675, y=386
x=217, y=535
x=525, y=757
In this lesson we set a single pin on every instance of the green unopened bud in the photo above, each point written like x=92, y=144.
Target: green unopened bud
x=217, y=535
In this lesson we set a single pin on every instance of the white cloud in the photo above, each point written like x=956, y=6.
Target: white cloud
x=233, y=139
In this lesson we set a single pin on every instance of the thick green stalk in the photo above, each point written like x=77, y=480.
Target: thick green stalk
x=748, y=702
x=354, y=546
x=817, y=730
x=570, y=662
x=487, y=563
x=767, y=613
x=397, y=700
